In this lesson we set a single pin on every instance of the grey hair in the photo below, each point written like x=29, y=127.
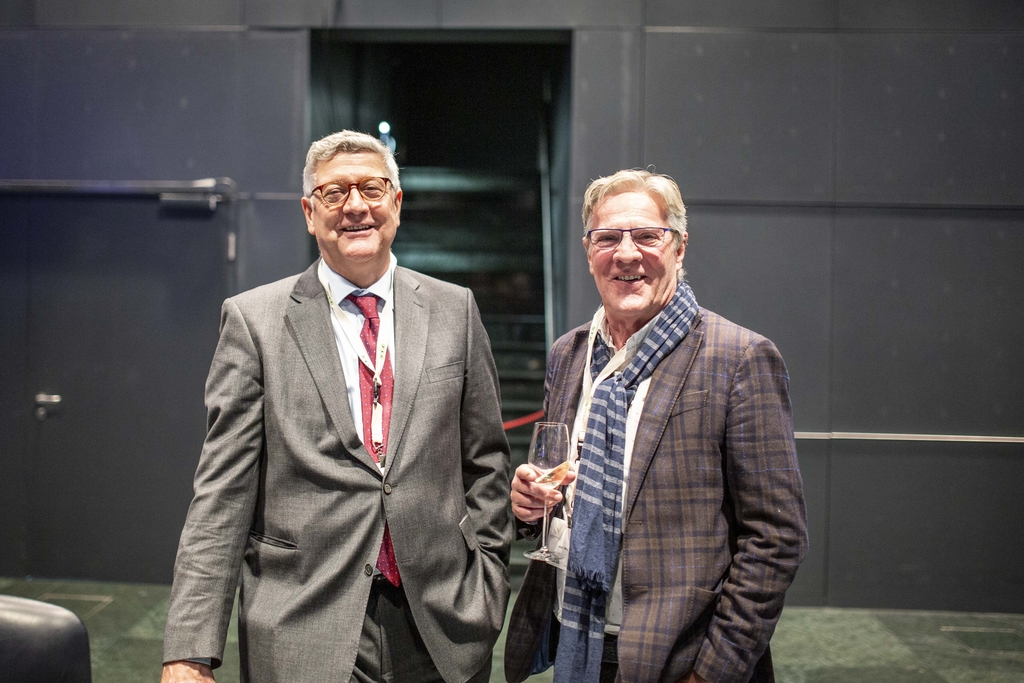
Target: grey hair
x=659, y=187
x=346, y=142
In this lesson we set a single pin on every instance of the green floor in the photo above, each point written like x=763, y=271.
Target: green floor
x=811, y=645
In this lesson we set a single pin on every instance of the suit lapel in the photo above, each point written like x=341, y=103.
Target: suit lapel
x=571, y=388
x=664, y=391
x=412, y=322
x=309, y=318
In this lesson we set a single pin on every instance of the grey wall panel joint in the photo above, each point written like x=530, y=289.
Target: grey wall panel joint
x=872, y=436
x=206, y=193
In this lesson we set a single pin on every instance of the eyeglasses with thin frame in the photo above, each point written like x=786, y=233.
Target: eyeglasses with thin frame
x=607, y=239
x=371, y=189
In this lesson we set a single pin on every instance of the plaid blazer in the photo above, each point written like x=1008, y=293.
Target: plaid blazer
x=714, y=526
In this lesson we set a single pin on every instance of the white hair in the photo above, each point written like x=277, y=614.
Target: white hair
x=346, y=142
x=659, y=187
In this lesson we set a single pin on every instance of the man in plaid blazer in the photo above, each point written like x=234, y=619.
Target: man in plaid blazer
x=711, y=526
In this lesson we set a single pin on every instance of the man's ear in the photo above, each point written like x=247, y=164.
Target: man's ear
x=681, y=251
x=307, y=211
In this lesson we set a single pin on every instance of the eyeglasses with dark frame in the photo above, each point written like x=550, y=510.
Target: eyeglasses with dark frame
x=607, y=239
x=371, y=189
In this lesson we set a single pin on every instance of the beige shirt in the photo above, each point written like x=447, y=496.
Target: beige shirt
x=618, y=362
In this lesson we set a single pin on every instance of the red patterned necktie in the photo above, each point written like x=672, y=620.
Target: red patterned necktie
x=367, y=305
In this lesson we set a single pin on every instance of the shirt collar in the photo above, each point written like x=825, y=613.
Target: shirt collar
x=341, y=288
x=632, y=344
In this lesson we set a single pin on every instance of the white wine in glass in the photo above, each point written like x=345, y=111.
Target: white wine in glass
x=549, y=452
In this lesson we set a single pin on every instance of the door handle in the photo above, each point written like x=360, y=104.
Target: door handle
x=46, y=404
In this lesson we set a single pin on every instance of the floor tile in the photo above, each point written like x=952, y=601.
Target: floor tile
x=811, y=645
x=151, y=625
x=972, y=676
x=826, y=638
x=870, y=674
x=935, y=637
x=989, y=640
x=128, y=659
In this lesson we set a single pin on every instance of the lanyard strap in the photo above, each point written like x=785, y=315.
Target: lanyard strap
x=590, y=385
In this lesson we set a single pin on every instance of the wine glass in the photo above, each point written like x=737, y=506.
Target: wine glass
x=549, y=452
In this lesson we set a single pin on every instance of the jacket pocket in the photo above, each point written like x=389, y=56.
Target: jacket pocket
x=468, y=532
x=445, y=372
x=691, y=400
x=272, y=541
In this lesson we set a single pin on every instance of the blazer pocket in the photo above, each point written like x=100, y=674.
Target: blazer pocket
x=272, y=541
x=445, y=372
x=468, y=532
x=691, y=400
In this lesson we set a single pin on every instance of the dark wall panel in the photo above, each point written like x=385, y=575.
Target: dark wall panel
x=927, y=526
x=741, y=115
x=18, y=84
x=927, y=317
x=272, y=240
x=957, y=15
x=607, y=13
x=506, y=13
x=299, y=13
x=141, y=105
x=771, y=270
x=272, y=87
x=810, y=586
x=133, y=13
x=16, y=406
x=157, y=105
x=17, y=12
x=93, y=104
x=741, y=13
x=607, y=67
x=929, y=118
x=398, y=14
x=447, y=13
x=124, y=306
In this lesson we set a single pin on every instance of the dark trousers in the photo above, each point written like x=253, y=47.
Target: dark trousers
x=390, y=647
x=610, y=659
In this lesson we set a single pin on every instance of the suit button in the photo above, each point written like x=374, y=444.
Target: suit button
x=387, y=489
x=368, y=570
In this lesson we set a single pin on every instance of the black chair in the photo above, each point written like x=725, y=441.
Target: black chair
x=41, y=643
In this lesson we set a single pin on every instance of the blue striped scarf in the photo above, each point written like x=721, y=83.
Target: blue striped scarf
x=597, y=508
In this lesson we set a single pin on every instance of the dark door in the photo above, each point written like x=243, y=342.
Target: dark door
x=123, y=297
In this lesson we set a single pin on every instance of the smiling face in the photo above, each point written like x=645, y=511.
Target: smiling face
x=635, y=284
x=354, y=237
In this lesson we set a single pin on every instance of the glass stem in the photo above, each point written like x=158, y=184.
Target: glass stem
x=544, y=530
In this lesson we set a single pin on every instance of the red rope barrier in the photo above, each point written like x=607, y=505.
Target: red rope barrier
x=524, y=420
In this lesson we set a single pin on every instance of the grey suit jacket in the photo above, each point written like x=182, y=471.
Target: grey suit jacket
x=289, y=504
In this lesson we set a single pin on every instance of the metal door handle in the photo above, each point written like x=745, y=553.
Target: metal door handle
x=46, y=404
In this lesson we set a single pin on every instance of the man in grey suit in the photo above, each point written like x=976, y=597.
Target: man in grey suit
x=354, y=480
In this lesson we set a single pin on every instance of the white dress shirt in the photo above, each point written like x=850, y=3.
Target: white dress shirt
x=341, y=288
